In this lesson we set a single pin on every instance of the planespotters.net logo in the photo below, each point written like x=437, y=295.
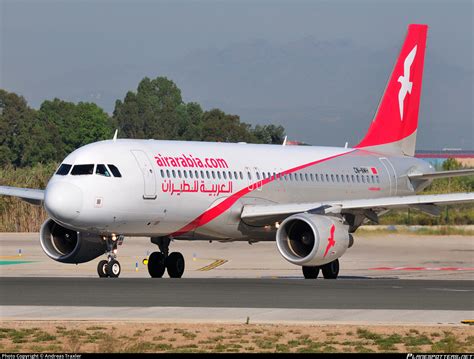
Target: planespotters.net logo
x=440, y=356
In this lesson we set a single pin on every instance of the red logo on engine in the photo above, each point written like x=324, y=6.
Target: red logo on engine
x=331, y=241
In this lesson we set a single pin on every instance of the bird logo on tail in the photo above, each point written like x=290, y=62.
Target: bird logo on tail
x=405, y=80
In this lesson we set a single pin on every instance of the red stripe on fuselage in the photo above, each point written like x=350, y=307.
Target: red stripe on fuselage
x=220, y=208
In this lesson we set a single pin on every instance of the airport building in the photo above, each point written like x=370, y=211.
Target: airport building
x=437, y=157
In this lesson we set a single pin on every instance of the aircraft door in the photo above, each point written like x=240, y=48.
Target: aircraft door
x=392, y=175
x=149, y=180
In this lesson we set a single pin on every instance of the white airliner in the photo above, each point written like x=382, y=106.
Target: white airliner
x=309, y=199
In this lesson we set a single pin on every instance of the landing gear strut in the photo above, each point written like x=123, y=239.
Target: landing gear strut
x=110, y=267
x=330, y=270
x=159, y=261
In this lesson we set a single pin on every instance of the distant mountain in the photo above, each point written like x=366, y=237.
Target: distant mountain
x=321, y=92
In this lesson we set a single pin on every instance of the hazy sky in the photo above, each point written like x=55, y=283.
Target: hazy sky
x=98, y=50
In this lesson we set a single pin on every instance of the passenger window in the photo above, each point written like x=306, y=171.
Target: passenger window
x=249, y=175
x=168, y=173
x=241, y=175
x=114, y=170
x=185, y=173
x=301, y=177
x=378, y=179
x=174, y=173
x=179, y=173
x=230, y=175
x=79, y=170
x=235, y=175
x=196, y=173
x=343, y=179
x=64, y=169
x=224, y=175
x=352, y=179
x=213, y=174
x=162, y=173
x=202, y=174
x=190, y=174
x=102, y=170
x=207, y=174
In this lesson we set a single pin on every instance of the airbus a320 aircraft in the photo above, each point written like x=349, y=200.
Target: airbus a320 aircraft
x=308, y=199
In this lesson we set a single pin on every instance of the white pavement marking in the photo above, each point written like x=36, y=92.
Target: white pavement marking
x=236, y=315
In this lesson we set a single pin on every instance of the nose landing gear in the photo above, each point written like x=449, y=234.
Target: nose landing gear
x=110, y=267
x=158, y=262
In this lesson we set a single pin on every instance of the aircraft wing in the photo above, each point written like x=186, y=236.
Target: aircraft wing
x=441, y=174
x=260, y=215
x=33, y=196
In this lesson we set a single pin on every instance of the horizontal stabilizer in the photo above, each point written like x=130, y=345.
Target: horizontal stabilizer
x=441, y=174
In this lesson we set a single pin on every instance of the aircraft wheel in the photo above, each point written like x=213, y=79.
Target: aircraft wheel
x=310, y=272
x=175, y=265
x=113, y=268
x=102, y=269
x=156, y=265
x=331, y=269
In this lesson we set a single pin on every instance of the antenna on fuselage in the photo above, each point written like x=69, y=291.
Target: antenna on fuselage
x=115, y=135
x=346, y=145
x=284, y=141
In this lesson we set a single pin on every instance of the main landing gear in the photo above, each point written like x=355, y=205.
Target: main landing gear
x=330, y=270
x=159, y=261
x=110, y=267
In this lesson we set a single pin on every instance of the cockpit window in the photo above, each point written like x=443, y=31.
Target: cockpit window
x=64, y=169
x=78, y=170
x=102, y=170
x=114, y=170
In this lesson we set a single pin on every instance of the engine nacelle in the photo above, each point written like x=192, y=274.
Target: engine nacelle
x=69, y=246
x=312, y=240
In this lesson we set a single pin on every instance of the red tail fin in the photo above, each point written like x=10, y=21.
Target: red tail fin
x=393, y=129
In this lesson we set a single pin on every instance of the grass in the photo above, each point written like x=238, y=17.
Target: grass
x=232, y=338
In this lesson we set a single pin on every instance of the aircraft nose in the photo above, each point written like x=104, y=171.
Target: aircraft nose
x=63, y=201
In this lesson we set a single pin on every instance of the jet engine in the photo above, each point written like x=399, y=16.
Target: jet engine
x=312, y=240
x=69, y=246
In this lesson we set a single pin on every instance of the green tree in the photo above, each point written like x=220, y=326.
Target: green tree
x=152, y=112
x=270, y=134
x=221, y=127
x=24, y=138
x=77, y=124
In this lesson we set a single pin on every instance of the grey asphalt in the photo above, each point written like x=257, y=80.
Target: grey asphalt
x=239, y=293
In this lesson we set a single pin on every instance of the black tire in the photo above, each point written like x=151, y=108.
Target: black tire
x=310, y=272
x=102, y=269
x=175, y=265
x=113, y=269
x=156, y=265
x=331, y=270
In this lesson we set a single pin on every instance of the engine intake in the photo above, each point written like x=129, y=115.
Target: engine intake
x=312, y=240
x=68, y=246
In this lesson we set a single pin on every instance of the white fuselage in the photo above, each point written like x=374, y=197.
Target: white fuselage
x=196, y=190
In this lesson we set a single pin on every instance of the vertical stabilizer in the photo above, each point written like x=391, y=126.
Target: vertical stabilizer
x=393, y=129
